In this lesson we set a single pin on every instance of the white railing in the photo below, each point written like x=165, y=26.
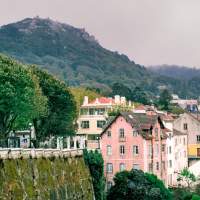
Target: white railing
x=6, y=153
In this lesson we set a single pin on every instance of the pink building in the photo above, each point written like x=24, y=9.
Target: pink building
x=134, y=141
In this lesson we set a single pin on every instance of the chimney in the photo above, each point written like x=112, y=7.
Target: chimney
x=117, y=99
x=123, y=100
x=85, y=100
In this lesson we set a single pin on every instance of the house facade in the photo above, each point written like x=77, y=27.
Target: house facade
x=134, y=141
x=180, y=154
x=189, y=124
x=93, y=117
x=176, y=145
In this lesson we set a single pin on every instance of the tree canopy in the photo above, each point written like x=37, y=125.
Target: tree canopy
x=137, y=185
x=60, y=120
x=94, y=161
x=80, y=92
x=164, y=100
x=21, y=98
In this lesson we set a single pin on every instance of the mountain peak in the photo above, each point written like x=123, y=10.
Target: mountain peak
x=48, y=26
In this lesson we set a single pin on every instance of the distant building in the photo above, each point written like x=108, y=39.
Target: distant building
x=190, y=105
x=180, y=154
x=176, y=150
x=189, y=124
x=20, y=139
x=134, y=141
x=175, y=97
x=93, y=117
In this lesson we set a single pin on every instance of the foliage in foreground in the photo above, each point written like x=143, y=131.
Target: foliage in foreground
x=137, y=185
x=187, y=189
x=30, y=95
x=61, y=107
x=94, y=161
x=21, y=98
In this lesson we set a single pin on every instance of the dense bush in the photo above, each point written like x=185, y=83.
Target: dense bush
x=137, y=185
x=94, y=161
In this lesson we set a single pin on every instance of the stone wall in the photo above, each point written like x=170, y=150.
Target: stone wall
x=44, y=174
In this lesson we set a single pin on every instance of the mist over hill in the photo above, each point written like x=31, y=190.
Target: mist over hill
x=76, y=57
x=175, y=71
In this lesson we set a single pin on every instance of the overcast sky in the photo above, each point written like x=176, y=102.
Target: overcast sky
x=148, y=31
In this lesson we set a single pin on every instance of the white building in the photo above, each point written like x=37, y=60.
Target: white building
x=176, y=146
x=180, y=153
x=93, y=117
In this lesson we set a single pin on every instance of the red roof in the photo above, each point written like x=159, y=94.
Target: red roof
x=140, y=107
x=103, y=100
x=166, y=130
x=167, y=117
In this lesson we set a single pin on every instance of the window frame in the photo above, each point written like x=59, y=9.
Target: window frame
x=122, y=168
x=83, y=123
x=135, y=150
x=109, y=134
x=122, y=150
x=121, y=133
x=109, y=150
x=101, y=123
x=198, y=138
x=109, y=168
x=135, y=133
x=185, y=126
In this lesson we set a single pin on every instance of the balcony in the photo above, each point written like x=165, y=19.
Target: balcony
x=122, y=139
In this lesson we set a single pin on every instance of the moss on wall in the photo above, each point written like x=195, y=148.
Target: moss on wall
x=45, y=179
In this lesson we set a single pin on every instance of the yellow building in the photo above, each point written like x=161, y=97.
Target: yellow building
x=194, y=150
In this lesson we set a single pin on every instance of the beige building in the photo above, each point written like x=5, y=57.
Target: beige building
x=94, y=115
x=190, y=124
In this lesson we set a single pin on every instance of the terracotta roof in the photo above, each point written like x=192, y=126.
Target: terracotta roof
x=176, y=132
x=140, y=107
x=141, y=122
x=102, y=100
x=166, y=130
x=167, y=117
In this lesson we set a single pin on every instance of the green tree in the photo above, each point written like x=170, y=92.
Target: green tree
x=21, y=98
x=164, y=100
x=186, y=177
x=140, y=96
x=60, y=120
x=122, y=90
x=195, y=197
x=137, y=185
x=80, y=92
x=94, y=161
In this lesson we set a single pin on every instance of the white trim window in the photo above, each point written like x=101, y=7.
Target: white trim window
x=122, y=167
x=109, y=168
x=135, y=150
x=136, y=166
x=85, y=124
x=109, y=150
x=122, y=149
x=121, y=133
